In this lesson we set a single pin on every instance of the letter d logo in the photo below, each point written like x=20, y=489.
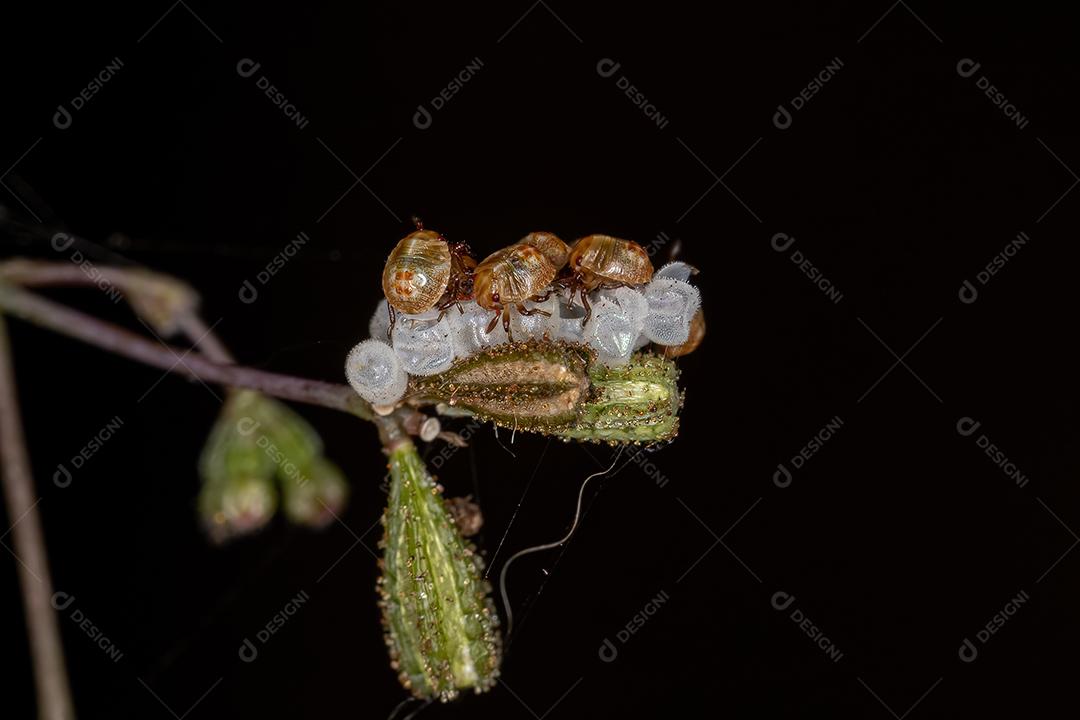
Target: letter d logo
x=248, y=652
x=247, y=425
x=782, y=600
x=607, y=67
x=248, y=293
x=967, y=67
x=247, y=67
x=781, y=242
x=62, y=477
x=422, y=118
x=61, y=118
x=968, y=293
x=781, y=118
x=61, y=242
x=62, y=600
x=967, y=426
x=782, y=477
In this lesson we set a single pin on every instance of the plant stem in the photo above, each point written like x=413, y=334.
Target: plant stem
x=50, y=315
x=50, y=676
x=131, y=282
x=200, y=335
x=44, y=273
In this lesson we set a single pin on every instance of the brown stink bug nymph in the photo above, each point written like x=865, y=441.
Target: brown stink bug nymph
x=555, y=250
x=424, y=271
x=509, y=277
x=605, y=262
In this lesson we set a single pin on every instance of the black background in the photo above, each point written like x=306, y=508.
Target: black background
x=899, y=180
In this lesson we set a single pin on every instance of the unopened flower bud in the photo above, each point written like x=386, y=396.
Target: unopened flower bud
x=238, y=495
x=316, y=495
x=256, y=445
x=160, y=300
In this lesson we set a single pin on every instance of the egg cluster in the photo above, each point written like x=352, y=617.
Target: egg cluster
x=623, y=320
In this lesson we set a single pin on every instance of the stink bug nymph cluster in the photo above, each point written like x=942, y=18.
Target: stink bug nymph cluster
x=425, y=271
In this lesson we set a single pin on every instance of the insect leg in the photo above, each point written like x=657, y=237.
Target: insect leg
x=506, y=323
x=393, y=319
x=588, y=307
x=613, y=285
x=534, y=311
x=448, y=302
x=494, y=321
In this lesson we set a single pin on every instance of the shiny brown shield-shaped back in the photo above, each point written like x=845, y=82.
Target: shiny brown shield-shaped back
x=417, y=272
x=603, y=259
x=509, y=277
x=554, y=249
x=512, y=275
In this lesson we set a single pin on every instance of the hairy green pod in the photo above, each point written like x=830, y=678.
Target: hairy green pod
x=316, y=494
x=282, y=426
x=534, y=386
x=638, y=402
x=557, y=388
x=238, y=495
x=441, y=626
x=255, y=441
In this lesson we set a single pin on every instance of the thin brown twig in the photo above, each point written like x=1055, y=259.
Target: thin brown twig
x=43, y=273
x=46, y=650
x=141, y=288
x=32, y=308
x=203, y=337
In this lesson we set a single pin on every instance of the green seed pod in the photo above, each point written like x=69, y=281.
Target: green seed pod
x=315, y=495
x=291, y=435
x=441, y=626
x=556, y=388
x=535, y=386
x=238, y=494
x=638, y=402
x=255, y=439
